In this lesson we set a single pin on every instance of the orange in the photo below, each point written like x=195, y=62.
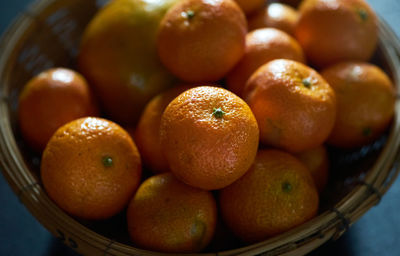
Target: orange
x=147, y=133
x=169, y=216
x=275, y=195
x=262, y=45
x=249, y=6
x=209, y=137
x=201, y=40
x=294, y=106
x=50, y=100
x=317, y=162
x=365, y=103
x=91, y=168
x=118, y=56
x=336, y=30
x=275, y=15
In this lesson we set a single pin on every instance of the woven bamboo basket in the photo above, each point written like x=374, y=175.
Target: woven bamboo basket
x=47, y=35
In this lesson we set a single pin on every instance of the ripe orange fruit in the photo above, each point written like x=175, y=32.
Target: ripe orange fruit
x=336, y=30
x=249, y=6
x=294, y=106
x=275, y=195
x=147, y=133
x=262, y=45
x=91, y=168
x=118, y=56
x=209, y=137
x=317, y=162
x=365, y=102
x=275, y=15
x=169, y=216
x=201, y=40
x=50, y=100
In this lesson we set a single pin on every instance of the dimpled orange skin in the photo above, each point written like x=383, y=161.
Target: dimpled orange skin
x=249, y=6
x=275, y=195
x=275, y=15
x=339, y=30
x=147, y=133
x=262, y=45
x=204, y=150
x=200, y=41
x=75, y=176
x=290, y=115
x=50, y=100
x=365, y=103
x=317, y=162
x=169, y=216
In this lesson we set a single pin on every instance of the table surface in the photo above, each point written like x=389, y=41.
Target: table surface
x=376, y=233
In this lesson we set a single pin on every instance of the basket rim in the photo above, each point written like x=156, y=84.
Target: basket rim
x=328, y=224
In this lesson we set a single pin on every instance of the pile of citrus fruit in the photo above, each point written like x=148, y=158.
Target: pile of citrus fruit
x=190, y=113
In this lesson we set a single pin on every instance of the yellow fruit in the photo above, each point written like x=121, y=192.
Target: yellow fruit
x=118, y=56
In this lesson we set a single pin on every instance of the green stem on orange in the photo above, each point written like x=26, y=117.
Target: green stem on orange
x=306, y=82
x=107, y=161
x=286, y=187
x=218, y=112
x=363, y=14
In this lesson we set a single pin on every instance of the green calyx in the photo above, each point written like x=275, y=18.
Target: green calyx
x=306, y=82
x=218, y=113
x=107, y=161
x=286, y=187
x=363, y=14
x=188, y=14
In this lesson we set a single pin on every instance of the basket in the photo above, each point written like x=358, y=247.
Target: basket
x=47, y=35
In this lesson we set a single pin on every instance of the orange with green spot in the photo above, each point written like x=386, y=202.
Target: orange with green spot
x=275, y=195
x=209, y=137
x=336, y=30
x=294, y=106
x=169, y=216
x=91, y=168
x=365, y=102
x=201, y=40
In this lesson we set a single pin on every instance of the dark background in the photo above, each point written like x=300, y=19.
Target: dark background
x=376, y=233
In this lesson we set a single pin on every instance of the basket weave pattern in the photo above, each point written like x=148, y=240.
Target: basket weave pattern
x=47, y=35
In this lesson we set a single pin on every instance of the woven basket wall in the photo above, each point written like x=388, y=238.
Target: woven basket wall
x=47, y=35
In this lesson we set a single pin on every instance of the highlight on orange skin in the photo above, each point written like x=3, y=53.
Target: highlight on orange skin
x=262, y=45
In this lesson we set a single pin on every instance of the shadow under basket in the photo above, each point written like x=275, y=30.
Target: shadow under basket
x=47, y=35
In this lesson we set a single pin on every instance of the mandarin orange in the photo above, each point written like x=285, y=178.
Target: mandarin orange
x=275, y=195
x=147, y=132
x=275, y=15
x=262, y=45
x=50, y=100
x=317, y=162
x=201, y=40
x=91, y=168
x=365, y=102
x=118, y=56
x=209, y=137
x=336, y=30
x=294, y=106
x=169, y=216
